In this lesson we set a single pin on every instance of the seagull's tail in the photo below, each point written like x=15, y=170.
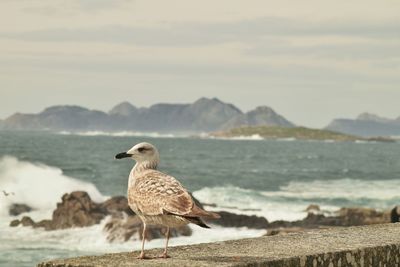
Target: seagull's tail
x=197, y=221
x=198, y=212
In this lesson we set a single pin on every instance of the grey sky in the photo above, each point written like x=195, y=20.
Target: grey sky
x=311, y=61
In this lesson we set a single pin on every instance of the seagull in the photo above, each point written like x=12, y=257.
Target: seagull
x=7, y=194
x=157, y=198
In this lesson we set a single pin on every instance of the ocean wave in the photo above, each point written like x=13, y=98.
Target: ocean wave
x=121, y=134
x=251, y=202
x=37, y=185
x=350, y=189
x=39, y=244
x=241, y=137
x=291, y=200
x=93, y=238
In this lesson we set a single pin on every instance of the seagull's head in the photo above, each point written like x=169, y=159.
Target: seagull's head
x=142, y=152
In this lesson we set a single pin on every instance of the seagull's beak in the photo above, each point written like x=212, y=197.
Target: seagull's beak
x=123, y=155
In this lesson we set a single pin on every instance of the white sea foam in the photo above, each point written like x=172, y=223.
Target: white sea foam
x=250, y=202
x=242, y=137
x=93, y=239
x=287, y=139
x=350, y=189
x=37, y=185
x=121, y=134
x=290, y=201
x=364, y=142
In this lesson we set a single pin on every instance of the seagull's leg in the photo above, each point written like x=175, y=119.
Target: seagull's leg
x=142, y=256
x=165, y=255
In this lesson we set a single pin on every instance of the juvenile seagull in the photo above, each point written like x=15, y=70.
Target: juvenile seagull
x=157, y=198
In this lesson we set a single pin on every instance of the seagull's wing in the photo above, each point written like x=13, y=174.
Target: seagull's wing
x=156, y=193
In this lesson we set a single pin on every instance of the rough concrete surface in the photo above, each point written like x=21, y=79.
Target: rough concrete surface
x=373, y=245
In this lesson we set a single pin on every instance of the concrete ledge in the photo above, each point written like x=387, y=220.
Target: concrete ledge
x=373, y=245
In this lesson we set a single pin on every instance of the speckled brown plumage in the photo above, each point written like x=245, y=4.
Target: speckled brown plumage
x=158, y=198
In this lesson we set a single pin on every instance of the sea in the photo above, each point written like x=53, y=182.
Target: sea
x=277, y=179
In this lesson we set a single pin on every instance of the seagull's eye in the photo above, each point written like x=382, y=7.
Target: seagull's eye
x=141, y=149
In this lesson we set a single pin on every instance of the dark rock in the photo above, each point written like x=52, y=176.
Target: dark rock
x=239, y=220
x=122, y=229
x=76, y=210
x=27, y=221
x=16, y=209
x=313, y=208
x=395, y=215
x=115, y=205
x=46, y=224
x=362, y=216
x=344, y=217
x=15, y=223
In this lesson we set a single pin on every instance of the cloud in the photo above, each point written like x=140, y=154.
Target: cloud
x=191, y=34
x=58, y=7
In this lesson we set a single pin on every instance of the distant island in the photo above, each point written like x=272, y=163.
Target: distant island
x=367, y=125
x=206, y=115
x=298, y=133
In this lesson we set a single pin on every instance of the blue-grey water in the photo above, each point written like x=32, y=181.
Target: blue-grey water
x=277, y=179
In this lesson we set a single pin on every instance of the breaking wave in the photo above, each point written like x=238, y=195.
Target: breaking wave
x=37, y=185
x=121, y=134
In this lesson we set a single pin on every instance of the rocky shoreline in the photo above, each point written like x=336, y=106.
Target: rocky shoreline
x=76, y=209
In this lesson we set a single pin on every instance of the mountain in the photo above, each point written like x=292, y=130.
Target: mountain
x=204, y=115
x=260, y=116
x=366, y=125
x=372, y=117
x=124, y=109
x=58, y=118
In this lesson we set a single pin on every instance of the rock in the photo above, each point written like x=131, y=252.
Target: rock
x=395, y=215
x=239, y=220
x=115, y=205
x=344, y=217
x=27, y=221
x=313, y=208
x=14, y=223
x=122, y=229
x=362, y=216
x=46, y=224
x=314, y=220
x=76, y=210
x=16, y=209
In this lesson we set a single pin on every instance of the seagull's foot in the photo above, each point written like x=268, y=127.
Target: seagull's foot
x=164, y=255
x=143, y=257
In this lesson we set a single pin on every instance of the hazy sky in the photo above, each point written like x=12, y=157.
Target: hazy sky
x=311, y=61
